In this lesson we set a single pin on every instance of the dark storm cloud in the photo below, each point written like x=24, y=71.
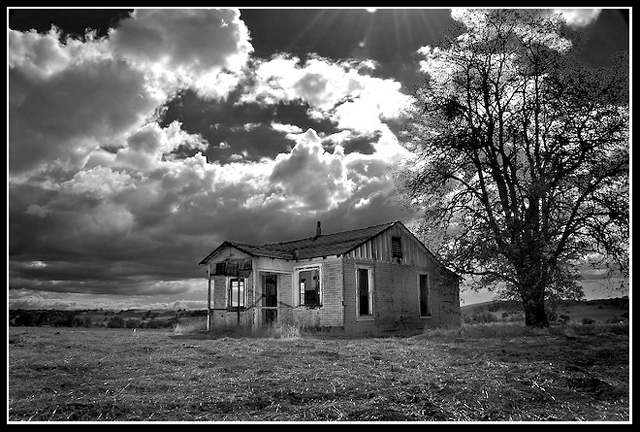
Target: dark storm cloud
x=102, y=99
x=234, y=129
x=361, y=144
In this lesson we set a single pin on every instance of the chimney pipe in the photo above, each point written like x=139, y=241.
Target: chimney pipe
x=318, y=229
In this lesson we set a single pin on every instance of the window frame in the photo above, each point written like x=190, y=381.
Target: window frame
x=297, y=298
x=396, y=247
x=242, y=301
x=429, y=297
x=371, y=289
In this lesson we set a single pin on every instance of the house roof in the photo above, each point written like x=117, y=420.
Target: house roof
x=311, y=247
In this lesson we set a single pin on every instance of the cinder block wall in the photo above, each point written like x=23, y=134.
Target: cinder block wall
x=396, y=298
x=331, y=312
x=285, y=314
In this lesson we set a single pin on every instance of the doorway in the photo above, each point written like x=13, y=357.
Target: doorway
x=270, y=290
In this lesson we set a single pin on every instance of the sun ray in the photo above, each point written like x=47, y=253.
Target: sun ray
x=318, y=17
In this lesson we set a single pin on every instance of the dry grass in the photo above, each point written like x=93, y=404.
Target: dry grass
x=484, y=373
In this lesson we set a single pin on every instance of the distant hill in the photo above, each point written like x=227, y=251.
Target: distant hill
x=600, y=310
x=131, y=318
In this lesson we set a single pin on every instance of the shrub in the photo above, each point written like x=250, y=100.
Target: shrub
x=480, y=317
x=500, y=330
x=152, y=324
x=86, y=322
x=116, y=322
x=190, y=325
x=27, y=318
x=132, y=323
x=63, y=319
x=277, y=330
x=588, y=321
x=160, y=323
x=283, y=331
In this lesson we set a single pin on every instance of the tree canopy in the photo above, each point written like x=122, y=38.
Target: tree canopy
x=521, y=157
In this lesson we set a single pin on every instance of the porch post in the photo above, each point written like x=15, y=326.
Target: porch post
x=209, y=298
x=256, y=281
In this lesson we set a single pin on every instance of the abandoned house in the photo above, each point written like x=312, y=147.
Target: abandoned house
x=377, y=278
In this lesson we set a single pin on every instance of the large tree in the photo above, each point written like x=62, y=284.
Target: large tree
x=521, y=157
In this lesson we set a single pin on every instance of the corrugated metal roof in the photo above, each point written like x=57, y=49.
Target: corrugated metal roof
x=311, y=247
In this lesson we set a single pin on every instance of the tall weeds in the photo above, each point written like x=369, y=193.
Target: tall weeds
x=274, y=331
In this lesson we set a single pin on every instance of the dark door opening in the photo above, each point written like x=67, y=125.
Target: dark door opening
x=425, y=308
x=271, y=298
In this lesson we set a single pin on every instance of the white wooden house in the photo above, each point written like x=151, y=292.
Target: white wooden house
x=370, y=279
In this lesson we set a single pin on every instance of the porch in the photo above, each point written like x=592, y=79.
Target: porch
x=240, y=293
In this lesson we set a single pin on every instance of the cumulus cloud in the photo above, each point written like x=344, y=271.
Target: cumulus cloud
x=98, y=182
x=43, y=54
x=578, y=17
x=95, y=93
x=198, y=48
x=320, y=82
x=193, y=41
x=147, y=146
x=62, y=117
x=111, y=199
x=338, y=91
x=314, y=178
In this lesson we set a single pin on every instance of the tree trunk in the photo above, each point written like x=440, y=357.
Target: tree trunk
x=532, y=270
x=535, y=314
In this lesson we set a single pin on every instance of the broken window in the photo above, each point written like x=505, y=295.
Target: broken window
x=364, y=284
x=309, y=286
x=396, y=247
x=236, y=293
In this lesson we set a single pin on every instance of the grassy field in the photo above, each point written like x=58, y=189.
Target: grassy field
x=491, y=372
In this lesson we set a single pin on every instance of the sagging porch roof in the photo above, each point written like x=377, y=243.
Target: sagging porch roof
x=321, y=245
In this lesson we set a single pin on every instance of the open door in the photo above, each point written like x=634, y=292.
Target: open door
x=270, y=290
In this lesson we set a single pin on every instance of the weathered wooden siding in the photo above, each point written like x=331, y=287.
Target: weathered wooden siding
x=229, y=253
x=379, y=249
x=273, y=265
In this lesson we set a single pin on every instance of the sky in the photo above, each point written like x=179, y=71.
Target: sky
x=139, y=140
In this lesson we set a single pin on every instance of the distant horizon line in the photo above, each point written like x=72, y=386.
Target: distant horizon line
x=204, y=308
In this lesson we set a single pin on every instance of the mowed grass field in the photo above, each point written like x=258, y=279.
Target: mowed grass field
x=491, y=372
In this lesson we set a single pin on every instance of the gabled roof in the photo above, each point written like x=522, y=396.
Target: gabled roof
x=323, y=245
